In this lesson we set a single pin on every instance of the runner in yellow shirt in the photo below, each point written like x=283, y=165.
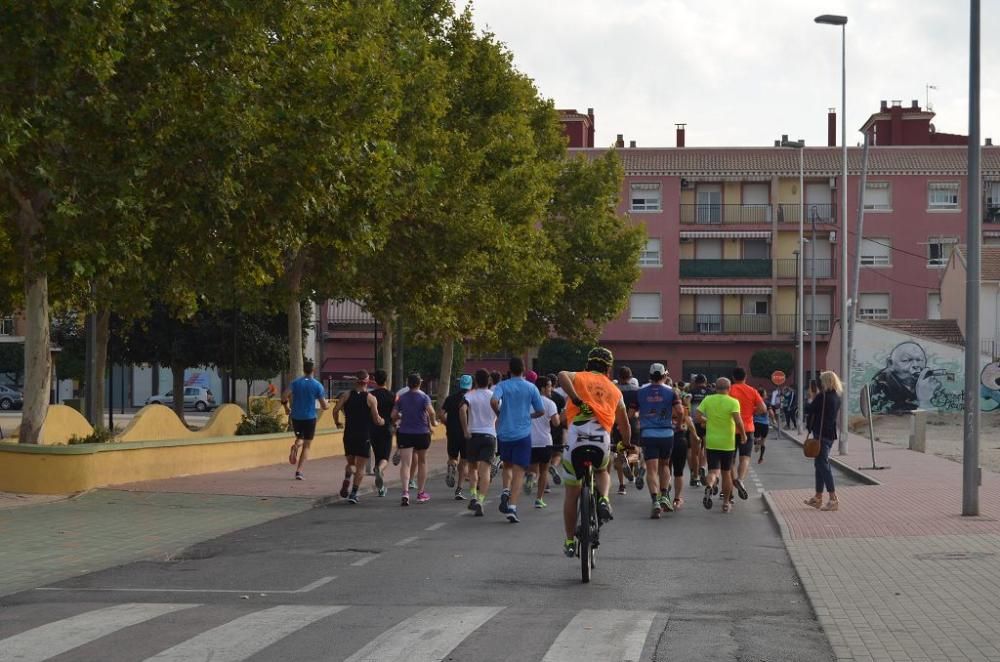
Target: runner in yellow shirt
x=720, y=414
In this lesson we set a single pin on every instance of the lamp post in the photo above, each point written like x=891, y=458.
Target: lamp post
x=845, y=360
x=799, y=279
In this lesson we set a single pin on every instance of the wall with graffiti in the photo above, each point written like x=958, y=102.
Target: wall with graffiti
x=905, y=373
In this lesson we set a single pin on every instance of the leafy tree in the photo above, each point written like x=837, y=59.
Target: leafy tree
x=763, y=362
x=557, y=354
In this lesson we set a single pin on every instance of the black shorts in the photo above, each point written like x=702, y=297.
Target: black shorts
x=541, y=454
x=700, y=429
x=745, y=450
x=304, y=428
x=760, y=430
x=382, y=443
x=679, y=456
x=418, y=442
x=357, y=446
x=558, y=449
x=720, y=460
x=658, y=448
x=481, y=448
x=456, y=446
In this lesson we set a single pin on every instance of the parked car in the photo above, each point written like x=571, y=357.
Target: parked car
x=10, y=398
x=195, y=397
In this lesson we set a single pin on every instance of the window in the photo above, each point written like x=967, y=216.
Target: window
x=939, y=251
x=645, y=197
x=650, y=257
x=756, y=306
x=933, y=305
x=942, y=195
x=6, y=326
x=878, y=196
x=873, y=306
x=876, y=252
x=645, y=307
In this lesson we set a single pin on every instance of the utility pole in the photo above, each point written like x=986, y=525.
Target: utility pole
x=859, y=237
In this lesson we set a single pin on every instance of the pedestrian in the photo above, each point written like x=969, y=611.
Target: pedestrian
x=515, y=401
x=541, y=438
x=696, y=454
x=479, y=425
x=457, y=471
x=824, y=411
x=658, y=406
x=774, y=408
x=414, y=415
x=751, y=404
x=557, y=396
x=626, y=462
x=720, y=414
x=685, y=436
x=382, y=434
x=304, y=392
x=790, y=406
x=761, y=425
x=360, y=412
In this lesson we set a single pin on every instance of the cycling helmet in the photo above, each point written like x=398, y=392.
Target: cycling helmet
x=601, y=355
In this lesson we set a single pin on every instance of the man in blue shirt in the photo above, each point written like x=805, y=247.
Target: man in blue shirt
x=304, y=392
x=658, y=407
x=516, y=401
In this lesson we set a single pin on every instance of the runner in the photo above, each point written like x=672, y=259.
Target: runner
x=760, y=428
x=516, y=402
x=457, y=465
x=774, y=408
x=595, y=407
x=626, y=462
x=360, y=411
x=305, y=392
x=751, y=404
x=382, y=434
x=414, y=415
x=558, y=433
x=541, y=438
x=658, y=406
x=684, y=437
x=720, y=414
x=696, y=454
x=479, y=425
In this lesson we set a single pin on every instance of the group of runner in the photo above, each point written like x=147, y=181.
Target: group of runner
x=528, y=428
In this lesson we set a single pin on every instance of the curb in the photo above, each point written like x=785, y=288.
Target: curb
x=840, y=464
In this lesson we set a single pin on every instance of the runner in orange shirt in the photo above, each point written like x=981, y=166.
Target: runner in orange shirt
x=750, y=403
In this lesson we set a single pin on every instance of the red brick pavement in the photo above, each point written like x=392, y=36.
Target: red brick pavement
x=920, y=495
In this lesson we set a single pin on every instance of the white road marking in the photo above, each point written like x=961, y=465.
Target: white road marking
x=407, y=541
x=366, y=560
x=322, y=581
x=109, y=589
x=435, y=527
x=427, y=636
x=240, y=638
x=609, y=635
x=63, y=635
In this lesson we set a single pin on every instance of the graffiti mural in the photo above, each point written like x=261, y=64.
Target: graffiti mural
x=909, y=381
x=989, y=391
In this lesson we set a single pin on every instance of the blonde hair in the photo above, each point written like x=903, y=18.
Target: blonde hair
x=831, y=382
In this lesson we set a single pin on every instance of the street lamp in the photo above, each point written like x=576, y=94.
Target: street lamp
x=799, y=279
x=845, y=360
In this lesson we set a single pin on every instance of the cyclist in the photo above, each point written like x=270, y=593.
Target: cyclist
x=595, y=406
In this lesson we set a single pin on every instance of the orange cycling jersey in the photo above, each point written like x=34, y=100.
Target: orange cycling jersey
x=600, y=399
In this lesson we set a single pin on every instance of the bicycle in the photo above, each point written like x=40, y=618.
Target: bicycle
x=588, y=530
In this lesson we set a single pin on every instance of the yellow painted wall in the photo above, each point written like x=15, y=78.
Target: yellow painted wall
x=731, y=304
x=687, y=250
x=687, y=304
x=788, y=190
x=786, y=243
x=785, y=301
x=688, y=197
x=61, y=423
x=732, y=193
x=731, y=249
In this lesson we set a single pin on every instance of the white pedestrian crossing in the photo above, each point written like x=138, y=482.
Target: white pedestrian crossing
x=240, y=638
x=427, y=636
x=55, y=638
x=609, y=635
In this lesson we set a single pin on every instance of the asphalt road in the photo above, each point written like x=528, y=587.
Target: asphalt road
x=431, y=582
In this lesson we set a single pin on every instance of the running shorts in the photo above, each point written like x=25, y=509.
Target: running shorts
x=745, y=450
x=516, y=452
x=357, y=446
x=679, y=456
x=658, y=448
x=587, y=437
x=720, y=460
x=481, y=448
x=304, y=428
x=700, y=429
x=418, y=442
x=760, y=430
x=541, y=454
x=382, y=443
x=456, y=446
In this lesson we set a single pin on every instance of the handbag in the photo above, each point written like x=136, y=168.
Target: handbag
x=812, y=445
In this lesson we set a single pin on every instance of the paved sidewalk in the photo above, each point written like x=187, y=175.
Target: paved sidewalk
x=898, y=573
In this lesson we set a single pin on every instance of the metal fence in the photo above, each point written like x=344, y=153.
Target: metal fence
x=725, y=324
x=725, y=268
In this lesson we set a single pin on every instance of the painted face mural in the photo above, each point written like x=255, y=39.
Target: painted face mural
x=989, y=392
x=908, y=381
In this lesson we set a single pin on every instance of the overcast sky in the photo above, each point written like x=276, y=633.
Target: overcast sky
x=742, y=72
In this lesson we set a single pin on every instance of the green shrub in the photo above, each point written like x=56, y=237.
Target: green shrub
x=766, y=361
x=100, y=435
x=262, y=419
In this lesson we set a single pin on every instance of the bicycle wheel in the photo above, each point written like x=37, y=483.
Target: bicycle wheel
x=584, y=542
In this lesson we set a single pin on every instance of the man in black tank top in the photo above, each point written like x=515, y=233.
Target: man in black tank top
x=360, y=411
x=381, y=435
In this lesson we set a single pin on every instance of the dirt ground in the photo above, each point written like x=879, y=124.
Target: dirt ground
x=944, y=435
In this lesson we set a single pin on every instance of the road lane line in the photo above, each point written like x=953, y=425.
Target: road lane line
x=427, y=636
x=609, y=635
x=435, y=527
x=322, y=581
x=245, y=636
x=60, y=636
x=407, y=541
x=366, y=560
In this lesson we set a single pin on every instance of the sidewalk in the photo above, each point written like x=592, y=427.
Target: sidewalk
x=898, y=573
x=46, y=541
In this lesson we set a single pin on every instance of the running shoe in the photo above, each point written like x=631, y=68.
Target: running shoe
x=548, y=490
x=423, y=497
x=529, y=483
x=621, y=491
x=478, y=508
x=666, y=504
x=379, y=480
x=353, y=498
x=505, y=502
x=458, y=494
x=413, y=483
x=299, y=476
x=554, y=475
x=715, y=489
x=656, y=511
x=703, y=475
x=604, y=512
x=707, y=499
x=472, y=504
x=726, y=507
x=569, y=547
x=512, y=516
x=345, y=488
x=406, y=499
x=293, y=455
x=627, y=470
x=694, y=481
x=540, y=504
x=449, y=477
x=741, y=490
x=640, y=477
x=396, y=458
x=382, y=491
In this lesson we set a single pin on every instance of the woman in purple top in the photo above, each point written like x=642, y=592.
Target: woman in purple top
x=414, y=415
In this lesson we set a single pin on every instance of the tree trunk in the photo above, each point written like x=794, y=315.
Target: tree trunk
x=37, y=357
x=96, y=392
x=177, y=375
x=387, y=340
x=294, y=311
x=444, y=380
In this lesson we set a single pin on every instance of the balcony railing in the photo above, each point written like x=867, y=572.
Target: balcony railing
x=788, y=212
x=786, y=323
x=990, y=347
x=787, y=268
x=725, y=268
x=719, y=214
x=725, y=324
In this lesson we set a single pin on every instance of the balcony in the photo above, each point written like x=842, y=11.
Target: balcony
x=991, y=213
x=719, y=214
x=725, y=268
x=786, y=324
x=788, y=212
x=725, y=324
x=787, y=268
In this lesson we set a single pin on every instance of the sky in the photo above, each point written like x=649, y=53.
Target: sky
x=744, y=72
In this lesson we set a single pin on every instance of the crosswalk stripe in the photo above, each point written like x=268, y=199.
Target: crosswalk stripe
x=240, y=638
x=609, y=635
x=427, y=636
x=60, y=636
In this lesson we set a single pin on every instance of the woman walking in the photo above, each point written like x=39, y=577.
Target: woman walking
x=824, y=411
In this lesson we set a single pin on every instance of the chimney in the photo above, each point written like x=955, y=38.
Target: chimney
x=884, y=106
x=620, y=141
x=914, y=105
x=631, y=144
x=989, y=142
x=590, y=131
x=680, y=134
x=831, y=127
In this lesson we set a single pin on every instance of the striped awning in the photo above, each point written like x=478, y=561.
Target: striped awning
x=725, y=290
x=730, y=234
x=991, y=233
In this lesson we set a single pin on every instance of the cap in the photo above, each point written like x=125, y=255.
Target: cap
x=465, y=382
x=531, y=376
x=657, y=369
